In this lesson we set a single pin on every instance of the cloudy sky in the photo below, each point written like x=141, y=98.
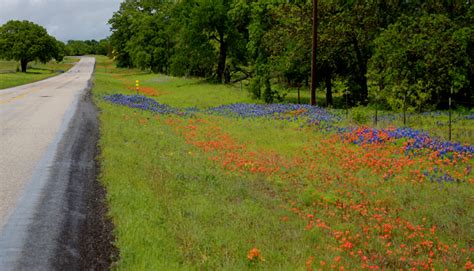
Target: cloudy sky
x=64, y=19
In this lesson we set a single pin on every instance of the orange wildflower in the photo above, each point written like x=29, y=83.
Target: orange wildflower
x=309, y=263
x=347, y=245
x=254, y=254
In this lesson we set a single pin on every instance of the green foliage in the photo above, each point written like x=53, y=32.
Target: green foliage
x=255, y=88
x=25, y=41
x=359, y=115
x=88, y=47
x=269, y=42
x=418, y=61
x=201, y=38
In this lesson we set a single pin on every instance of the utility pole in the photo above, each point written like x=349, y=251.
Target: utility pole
x=313, y=57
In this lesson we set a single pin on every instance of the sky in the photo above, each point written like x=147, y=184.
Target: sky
x=63, y=19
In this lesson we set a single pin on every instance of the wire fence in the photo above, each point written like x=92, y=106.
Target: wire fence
x=450, y=124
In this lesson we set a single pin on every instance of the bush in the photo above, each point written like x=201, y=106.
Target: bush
x=359, y=115
x=255, y=88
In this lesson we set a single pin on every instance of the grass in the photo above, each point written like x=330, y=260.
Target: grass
x=172, y=90
x=10, y=77
x=220, y=193
x=175, y=206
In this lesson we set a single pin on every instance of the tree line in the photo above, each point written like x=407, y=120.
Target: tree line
x=88, y=47
x=397, y=53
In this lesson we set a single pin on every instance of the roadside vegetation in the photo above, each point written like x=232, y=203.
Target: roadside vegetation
x=405, y=56
x=217, y=162
x=199, y=177
x=10, y=75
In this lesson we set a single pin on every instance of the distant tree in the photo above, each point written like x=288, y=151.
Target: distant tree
x=25, y=41
x=62, y=51
x=76, y=47
x=88, y=47
x=104, y=47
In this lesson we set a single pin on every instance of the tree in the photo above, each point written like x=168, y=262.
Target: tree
x=104, y=48
x=260, y=47
x=122, y=32
x=219, y=28
x=88, y=47
x=418, y=60
x=25, y=41
x=289, y=43
x=150, y=44
x=194, y=53
x=269, y=41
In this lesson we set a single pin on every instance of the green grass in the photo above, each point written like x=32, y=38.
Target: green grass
x=177, y=211
x=174, y=91
x=11, y=77
x=173, y=210
x=176, y=206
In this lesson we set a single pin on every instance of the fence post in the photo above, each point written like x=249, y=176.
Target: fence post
x=347, y=106
x=449, y=134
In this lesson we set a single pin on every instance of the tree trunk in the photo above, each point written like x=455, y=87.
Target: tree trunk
x=227, y=75
x=469, y=89
x=364, y=91
x=314, y=52
x=328, y=90
x=24, y=65
x=360, y=76
x=222, y=59
x=405, y=108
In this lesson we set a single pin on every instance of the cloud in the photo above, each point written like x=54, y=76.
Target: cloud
x=64, y=19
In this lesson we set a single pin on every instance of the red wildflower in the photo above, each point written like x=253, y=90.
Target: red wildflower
x=347, y=245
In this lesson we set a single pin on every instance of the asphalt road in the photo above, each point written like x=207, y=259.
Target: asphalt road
x=50, y=202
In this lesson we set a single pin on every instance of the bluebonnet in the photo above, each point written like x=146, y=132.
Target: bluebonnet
x=144, y=103
x=419, y=140
x=438, y=175
x=313, y=115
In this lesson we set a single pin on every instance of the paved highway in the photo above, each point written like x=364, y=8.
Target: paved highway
x=48, y=136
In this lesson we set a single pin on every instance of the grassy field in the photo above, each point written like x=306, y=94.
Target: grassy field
x=244, y=187
x=10, y=76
